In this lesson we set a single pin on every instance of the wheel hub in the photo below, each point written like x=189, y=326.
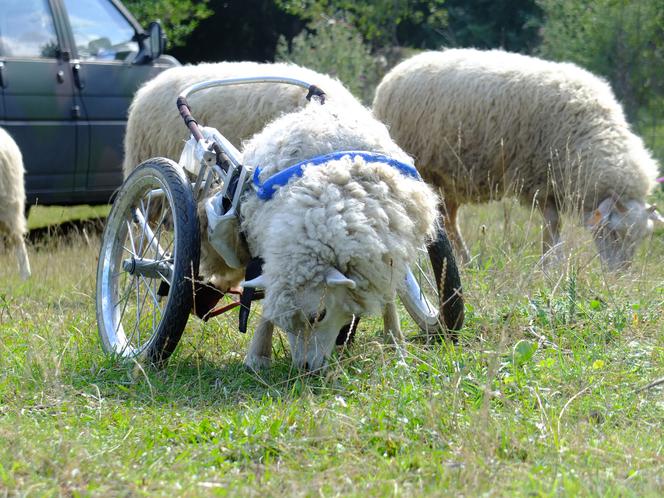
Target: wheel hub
x=149, y=268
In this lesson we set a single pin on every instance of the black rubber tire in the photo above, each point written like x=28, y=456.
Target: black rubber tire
x=347, y=333
x=183, y=261
x=449, y=308
x=451, y=302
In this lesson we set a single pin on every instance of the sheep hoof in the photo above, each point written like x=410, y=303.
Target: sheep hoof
x=393, y=337
x=257, y=362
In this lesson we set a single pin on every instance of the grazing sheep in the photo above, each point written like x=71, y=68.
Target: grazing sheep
x=154, y=128
x=336, y=240
x=483, y=124
x=12, y=200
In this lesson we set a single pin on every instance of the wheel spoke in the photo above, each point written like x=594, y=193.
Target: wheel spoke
x=140, y=311
x=164, y=278
x=146, y=221
x=129, y=251
x=153, y=295
x=145, y=227
x=167, y=251
x=143, y=222
x=126, y=293
x=138, y=314
x=131, y=238
x=158, y=230
x=124, y=307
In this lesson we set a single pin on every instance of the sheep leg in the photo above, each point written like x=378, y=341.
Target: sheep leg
x=449, y=211
x=260, y=349
x=391, y=325
x=551, y=243
x=22, y=258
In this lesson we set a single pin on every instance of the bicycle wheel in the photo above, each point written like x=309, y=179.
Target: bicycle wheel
x=433, y=284
x=148, y=262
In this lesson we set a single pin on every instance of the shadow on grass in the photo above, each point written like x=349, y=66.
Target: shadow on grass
x=204, y=375
x=72, y=229
x=193, y=381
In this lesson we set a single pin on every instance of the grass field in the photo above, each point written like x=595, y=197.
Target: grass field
x=545, y=394
x=41, y=216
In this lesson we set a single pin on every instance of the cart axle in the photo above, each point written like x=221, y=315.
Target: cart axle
x=149, y=268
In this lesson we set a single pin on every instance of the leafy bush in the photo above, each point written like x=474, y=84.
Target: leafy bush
x=179, y=17
x=335, y=47
x=622, y=41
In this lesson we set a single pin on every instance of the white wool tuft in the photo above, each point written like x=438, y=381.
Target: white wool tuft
x=12, y=199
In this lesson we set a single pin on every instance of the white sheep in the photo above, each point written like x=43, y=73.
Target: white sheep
x=12, y=200
x=336, y=240
x=154, y=127
x=483, y=124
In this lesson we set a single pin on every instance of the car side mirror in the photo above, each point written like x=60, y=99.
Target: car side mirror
x=157, y=40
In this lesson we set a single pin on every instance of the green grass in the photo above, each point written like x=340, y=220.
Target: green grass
x=41, y=216
x=651, y=128
x=538, y=398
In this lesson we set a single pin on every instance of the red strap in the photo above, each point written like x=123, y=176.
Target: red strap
x=219, y=310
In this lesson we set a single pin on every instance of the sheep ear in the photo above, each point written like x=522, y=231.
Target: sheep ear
x=335, y=277
x=256, y=283
x=602, y=211
x=594, y=219
x=654, y=215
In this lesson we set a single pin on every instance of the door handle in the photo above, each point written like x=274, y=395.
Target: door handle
x=78, y=78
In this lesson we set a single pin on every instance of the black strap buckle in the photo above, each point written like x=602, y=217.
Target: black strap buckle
x=253, y=270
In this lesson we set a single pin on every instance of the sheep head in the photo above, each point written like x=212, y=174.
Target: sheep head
x=619, y=227
x=320, y=311
x=313, y=330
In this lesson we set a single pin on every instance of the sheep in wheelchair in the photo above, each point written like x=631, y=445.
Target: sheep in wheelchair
x=321, y=210
x=337, y=238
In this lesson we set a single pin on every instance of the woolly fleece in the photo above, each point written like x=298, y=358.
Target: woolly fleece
x=485, y=124
x=364, y=219
x=12, y=200
x=155, y=128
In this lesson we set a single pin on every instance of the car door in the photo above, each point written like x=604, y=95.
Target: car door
x=38, y=97
x=107, y=71
x=2, y=84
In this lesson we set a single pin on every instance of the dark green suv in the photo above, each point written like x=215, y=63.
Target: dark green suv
x=68, y=72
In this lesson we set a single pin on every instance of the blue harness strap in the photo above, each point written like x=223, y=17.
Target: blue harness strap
x=266, y=190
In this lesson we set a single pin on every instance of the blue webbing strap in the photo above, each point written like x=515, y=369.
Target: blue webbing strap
x=266, y=190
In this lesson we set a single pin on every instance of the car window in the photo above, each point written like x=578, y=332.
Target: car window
x=27, y=29
x=100, y=31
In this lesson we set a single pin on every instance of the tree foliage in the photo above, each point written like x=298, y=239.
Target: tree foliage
x=417, y=23
x=178, y=17
x=509, y=24
x=619, y=39
x=334, y=47
x=239, y=30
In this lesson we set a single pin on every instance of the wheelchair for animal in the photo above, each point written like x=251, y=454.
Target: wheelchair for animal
x=147, y=274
